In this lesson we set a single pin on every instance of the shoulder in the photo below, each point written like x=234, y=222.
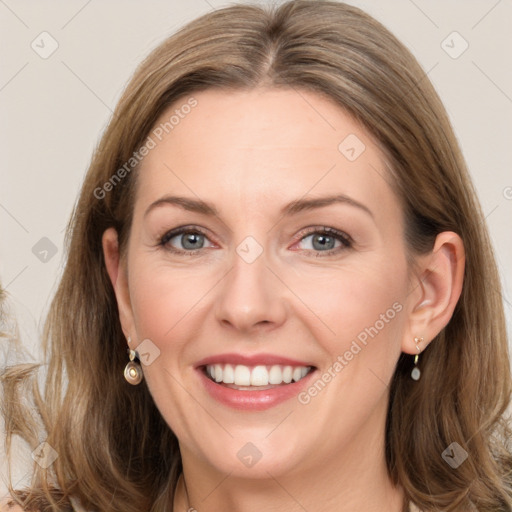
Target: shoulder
x=5, y=507
x=7, y=504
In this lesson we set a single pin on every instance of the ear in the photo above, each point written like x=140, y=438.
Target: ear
x=436, y=291
x=116, y=268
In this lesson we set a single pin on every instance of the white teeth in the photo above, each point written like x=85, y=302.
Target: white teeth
x=259, y=376
x=275, y=375
x=297, y=374
x=228, y=374
x=242, y=375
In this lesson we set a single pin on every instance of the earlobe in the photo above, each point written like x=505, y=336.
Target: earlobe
x=440, y=284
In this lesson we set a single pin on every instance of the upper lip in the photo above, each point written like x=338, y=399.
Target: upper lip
x=251, y=360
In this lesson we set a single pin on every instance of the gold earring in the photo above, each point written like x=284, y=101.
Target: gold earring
x=416, y=373
x=133, y=371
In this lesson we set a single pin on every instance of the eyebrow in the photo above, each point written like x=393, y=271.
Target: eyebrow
x=292, y=208
x=318, y=202
x=192, y=205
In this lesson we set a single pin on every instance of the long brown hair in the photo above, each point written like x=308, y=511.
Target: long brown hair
x=115, y=452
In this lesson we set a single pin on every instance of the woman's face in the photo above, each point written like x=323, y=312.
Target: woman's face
x=267, y=246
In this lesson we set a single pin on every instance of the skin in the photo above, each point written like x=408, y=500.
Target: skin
x=250, y=153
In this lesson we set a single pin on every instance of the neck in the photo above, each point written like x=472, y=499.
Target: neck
x=354, y=479
x=279, y=494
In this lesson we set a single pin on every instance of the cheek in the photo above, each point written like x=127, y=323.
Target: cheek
x=166, y=304
x=362, y=304
x=336, y=305
x=164, y=299
x=360, y=316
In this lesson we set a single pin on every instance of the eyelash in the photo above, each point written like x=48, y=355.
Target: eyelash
x=345, y=239
x=164, y=240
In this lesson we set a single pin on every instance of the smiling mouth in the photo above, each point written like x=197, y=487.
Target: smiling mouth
x=255, y=378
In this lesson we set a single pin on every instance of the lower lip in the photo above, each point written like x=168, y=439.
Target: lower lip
x=253, y=400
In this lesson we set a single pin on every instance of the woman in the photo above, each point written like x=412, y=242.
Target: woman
x=279, y=289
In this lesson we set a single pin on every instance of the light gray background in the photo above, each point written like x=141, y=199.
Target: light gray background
x=53, y=111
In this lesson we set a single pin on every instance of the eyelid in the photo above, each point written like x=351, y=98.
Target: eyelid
x=345, y=239
x=326, y=230
x=163, y=240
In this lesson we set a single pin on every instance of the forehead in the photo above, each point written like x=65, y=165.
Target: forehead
x=249, y=145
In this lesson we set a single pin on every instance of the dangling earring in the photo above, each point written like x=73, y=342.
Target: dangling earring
x=416, y=373
x=133, y=371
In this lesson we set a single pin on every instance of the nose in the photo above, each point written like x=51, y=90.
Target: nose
x=252, y=297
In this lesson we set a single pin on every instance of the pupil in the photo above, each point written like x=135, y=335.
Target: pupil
x=190, y=239
x=326, y=242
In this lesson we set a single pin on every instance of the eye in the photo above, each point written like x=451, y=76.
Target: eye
x=325, y=240
x=187, y=239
